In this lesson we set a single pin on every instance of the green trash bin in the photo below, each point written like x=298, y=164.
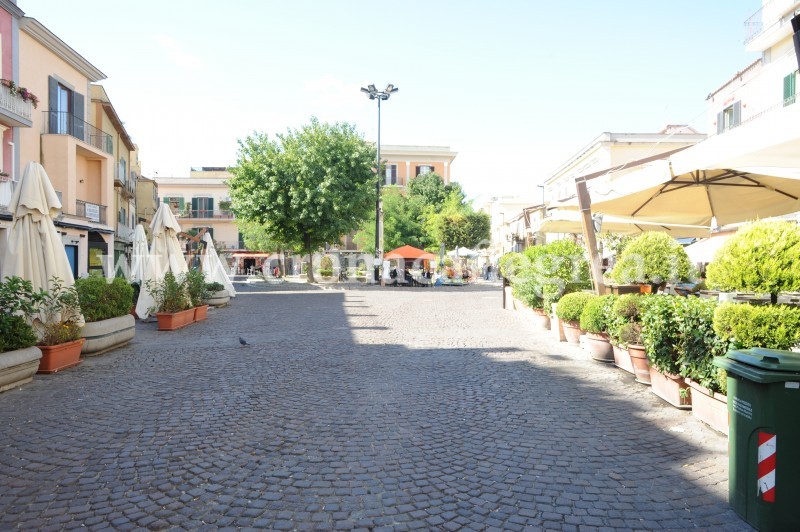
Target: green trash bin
x=764, y=441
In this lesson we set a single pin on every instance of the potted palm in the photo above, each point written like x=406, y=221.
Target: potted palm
x=19, y=358
x=59, y=326
x=596, y=321
x=569, y=310
x=198, y=293
x=106, y=305
x=173, y=308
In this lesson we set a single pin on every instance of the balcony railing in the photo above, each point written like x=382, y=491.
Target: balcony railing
x=6, y=193
x=229, y=246
x=59, y=123
x=767, y=16
x=206, y=214
x=15, y=103
x=91, y=211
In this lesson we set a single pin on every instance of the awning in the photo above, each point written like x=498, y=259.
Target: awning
x=566, y=221
x=409, y=252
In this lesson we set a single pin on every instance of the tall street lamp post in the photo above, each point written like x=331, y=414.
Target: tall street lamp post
x=375, y=94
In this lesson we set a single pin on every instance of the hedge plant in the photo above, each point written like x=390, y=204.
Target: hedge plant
x=626, y=309
x=661, y=332
x=570, y=307
x=699, y=344
x=652, y=258
x=509, y=265
x=103, y=299
x=543, y=274
x=761, y=257
x=326, y=266
x=195, y=281
x=742, y=326
x=630, y=334
x=596, y=317
x=17, y=306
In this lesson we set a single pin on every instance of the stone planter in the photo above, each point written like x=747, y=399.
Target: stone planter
x=508, y=299
x=104, y=335
x=61, y=356
x=557, y=326
x=671, y=388
x=200, y=313
x=599, y=347
x=709, y=407
x=170, y=321
x=622, y=359
x=219, y=299
x=573, y=332
x=641, y=366
x=18, y=367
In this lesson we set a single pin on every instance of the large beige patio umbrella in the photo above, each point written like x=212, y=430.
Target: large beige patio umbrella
x=35, y=251
x=213, y=268
x=568, y=221
x=165, y=255
x=140, y=259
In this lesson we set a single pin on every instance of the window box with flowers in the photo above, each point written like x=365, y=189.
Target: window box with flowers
x=60, y=327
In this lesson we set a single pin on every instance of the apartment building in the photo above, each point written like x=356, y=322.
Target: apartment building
x=146, y=199
x=201, y=201
x=404, y=163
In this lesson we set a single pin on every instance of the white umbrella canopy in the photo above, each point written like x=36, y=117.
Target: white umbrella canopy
x=566, y=221
x=213, y=268
x=35, y=251
x=140, y=260
x=165, y=255
x=729, y=195
x=464, y=253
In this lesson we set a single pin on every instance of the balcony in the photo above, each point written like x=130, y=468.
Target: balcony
x=124, y=232
x=774, y=17
x=229, y=246
x=203, y=214
x=17, y=110
x=6, y=192
x=58, y=123
x=90, y=211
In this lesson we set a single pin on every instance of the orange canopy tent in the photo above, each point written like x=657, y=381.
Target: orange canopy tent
x=410, y=253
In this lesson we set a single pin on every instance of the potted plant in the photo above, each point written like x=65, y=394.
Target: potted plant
x=596, y=321
x=219, y=297
x=509, y=266
x=173, y=308
x=625, y=309
x=59, y=327
x=569, y=310
x=527, y=286
x=699, y=345
x=661, y=337
x=198, y=293
x=106, y=305
x=652, y=260
x=19, y=359
x=326, y=267
x=762, y=257
x=630, y=336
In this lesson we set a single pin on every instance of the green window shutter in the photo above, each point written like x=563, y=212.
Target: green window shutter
x=194, y=204
x=789, y=88
x=181, y=203
x=166, y=199
x=211, y=205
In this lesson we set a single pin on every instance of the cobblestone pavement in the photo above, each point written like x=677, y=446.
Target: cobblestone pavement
x=395, y=408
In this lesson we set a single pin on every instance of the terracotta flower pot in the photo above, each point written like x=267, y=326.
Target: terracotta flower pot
x=671, y=388
x=599, y=347
x=61, y=356
x=170, y=321
x=622, y=359
x=540, y=319
x=641, y=366
x=573, y=332
x=200, y=313
x=709, y=407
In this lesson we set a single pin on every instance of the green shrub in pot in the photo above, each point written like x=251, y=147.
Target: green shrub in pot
x=571, y=306
x=661, y=333
x=597, y=316
x=630, y=334
x=653, y=258
x=17, y=307
x=742, y=326
x=103, y=299
x=699, y=343
x=761, y=257
x=626, y=309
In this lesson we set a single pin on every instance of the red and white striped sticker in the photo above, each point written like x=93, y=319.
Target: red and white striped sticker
x=767, y=445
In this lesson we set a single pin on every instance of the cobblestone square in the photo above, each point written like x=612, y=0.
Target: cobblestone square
x=365, y=408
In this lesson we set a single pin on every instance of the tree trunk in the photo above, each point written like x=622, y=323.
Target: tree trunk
x=310, y=271
x=281, y=270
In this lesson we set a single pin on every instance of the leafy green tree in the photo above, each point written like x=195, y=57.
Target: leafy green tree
x=401, y=224
x=307, y=187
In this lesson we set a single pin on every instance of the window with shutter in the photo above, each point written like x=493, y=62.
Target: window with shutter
x=789, y=89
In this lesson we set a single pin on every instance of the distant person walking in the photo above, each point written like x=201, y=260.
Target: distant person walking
x=488, y=272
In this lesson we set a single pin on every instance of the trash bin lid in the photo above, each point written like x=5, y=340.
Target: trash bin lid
x=771, y=359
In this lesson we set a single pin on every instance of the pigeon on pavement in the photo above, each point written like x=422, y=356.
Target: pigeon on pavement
x=243, y=341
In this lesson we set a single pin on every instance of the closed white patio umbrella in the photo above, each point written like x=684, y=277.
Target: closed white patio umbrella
x=35, y=251
x=140, y=260
x=212, y=266
x=165, y=255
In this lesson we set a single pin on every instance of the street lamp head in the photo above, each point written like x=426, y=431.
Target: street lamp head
x=364, y=90
x=372, y=88
x=390, y=89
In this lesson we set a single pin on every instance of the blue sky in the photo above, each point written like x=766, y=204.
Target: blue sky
x=515, y=87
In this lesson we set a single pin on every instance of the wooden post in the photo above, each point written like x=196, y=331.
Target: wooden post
x=595, y=264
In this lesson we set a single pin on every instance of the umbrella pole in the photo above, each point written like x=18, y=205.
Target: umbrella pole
x=585, y=205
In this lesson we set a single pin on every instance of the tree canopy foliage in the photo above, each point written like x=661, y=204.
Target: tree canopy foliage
x=307, y=187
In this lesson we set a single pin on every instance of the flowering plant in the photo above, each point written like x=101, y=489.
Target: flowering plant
x=60, y=314
x=22, y=92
